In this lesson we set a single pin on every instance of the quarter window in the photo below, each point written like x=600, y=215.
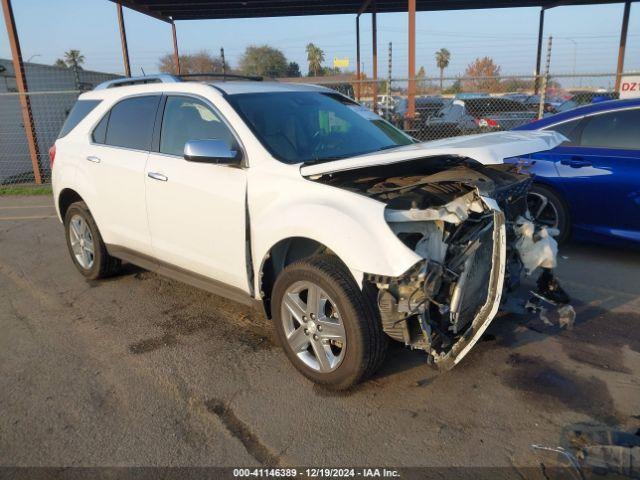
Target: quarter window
x=620, y=130
x=568, y=129
x=187, y=118
x=129, y=124
x=99, y=134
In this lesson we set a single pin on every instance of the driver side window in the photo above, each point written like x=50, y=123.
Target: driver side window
x=187, y=118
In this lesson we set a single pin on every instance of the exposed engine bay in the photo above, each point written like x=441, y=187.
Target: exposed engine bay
x=470, y=224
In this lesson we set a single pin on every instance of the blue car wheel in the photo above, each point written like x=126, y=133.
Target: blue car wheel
x=548, y=209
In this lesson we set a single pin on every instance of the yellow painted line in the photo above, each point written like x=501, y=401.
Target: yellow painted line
x=34, y=217
x=26, y=206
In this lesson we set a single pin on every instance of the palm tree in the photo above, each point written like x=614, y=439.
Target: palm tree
x=442, y=60
x=315, y=57
x=73, y=58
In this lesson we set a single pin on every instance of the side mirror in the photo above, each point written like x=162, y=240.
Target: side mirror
x=211, y=151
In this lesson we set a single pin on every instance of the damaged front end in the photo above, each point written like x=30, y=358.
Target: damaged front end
x=448, y=300
x=470, y=225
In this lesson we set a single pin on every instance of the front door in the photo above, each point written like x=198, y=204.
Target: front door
x=196, y=211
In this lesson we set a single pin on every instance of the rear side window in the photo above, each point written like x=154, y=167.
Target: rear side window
x=619, y=130
x=80, y=110
x=568, y=129
x=129, y=124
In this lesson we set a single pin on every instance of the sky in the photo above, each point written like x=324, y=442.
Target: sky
x=585, y=38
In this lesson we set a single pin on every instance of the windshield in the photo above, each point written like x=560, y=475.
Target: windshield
x=314, y=127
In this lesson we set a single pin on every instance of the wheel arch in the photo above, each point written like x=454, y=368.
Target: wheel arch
x=66, y=197
x=282, y=254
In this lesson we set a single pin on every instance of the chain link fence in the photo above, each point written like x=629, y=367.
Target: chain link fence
x=443, y=107
x=52, y=93
x=452, y=106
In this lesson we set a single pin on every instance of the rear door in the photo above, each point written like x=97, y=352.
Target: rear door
x=197, y=213
x=115, y=162
x=600, y=173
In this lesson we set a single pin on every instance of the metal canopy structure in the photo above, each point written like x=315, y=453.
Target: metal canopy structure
x=171, y=10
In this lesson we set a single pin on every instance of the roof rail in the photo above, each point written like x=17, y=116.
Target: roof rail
x=224, y=76
x=125, y=82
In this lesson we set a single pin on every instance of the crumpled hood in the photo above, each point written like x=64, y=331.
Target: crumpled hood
x=488, y=149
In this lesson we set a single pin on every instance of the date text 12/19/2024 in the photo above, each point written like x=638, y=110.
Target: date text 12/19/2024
x=316, y=472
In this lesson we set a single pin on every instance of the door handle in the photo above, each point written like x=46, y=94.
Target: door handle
x=157, y=176
x=93, y=159
x=576, y=162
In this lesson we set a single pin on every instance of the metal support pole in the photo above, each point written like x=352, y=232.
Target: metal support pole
x=21, y=81
x=388, y=98
x=224, y=63
x=539, y=52
x=545, y=80
x=176, y=54
x=374, y=52
x=411, y=90
x=358, y=57
x=123, y=40
x=623, y=44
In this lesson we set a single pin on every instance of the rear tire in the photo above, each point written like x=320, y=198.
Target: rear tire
x=554, y=213
x=352, y=336
x=85, y=244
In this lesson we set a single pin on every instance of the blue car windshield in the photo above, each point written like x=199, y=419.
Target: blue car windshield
x=313, y=127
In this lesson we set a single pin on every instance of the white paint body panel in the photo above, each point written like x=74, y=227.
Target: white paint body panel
x=488, y=149
x=197, y=217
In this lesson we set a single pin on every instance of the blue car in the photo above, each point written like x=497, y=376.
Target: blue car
x=589, y=186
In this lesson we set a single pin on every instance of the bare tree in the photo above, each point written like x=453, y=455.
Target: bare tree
x=483, y=75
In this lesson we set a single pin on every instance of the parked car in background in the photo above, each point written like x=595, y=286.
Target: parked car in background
x=589, y=186
x=551, y=103
x=425, y=108
x=476, y=115
x=579, y=98
x=470, y=95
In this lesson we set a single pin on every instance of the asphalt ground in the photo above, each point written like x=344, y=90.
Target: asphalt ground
x=142, y=370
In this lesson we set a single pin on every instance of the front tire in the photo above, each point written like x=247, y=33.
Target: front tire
x=548, y=209
x=324, y=323
x=85, y=244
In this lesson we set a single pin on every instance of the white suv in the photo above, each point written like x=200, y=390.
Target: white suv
x=295, y=199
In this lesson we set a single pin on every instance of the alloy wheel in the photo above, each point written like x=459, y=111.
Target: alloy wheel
x=313, y=326
x=543, y=211
x=81, y=241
